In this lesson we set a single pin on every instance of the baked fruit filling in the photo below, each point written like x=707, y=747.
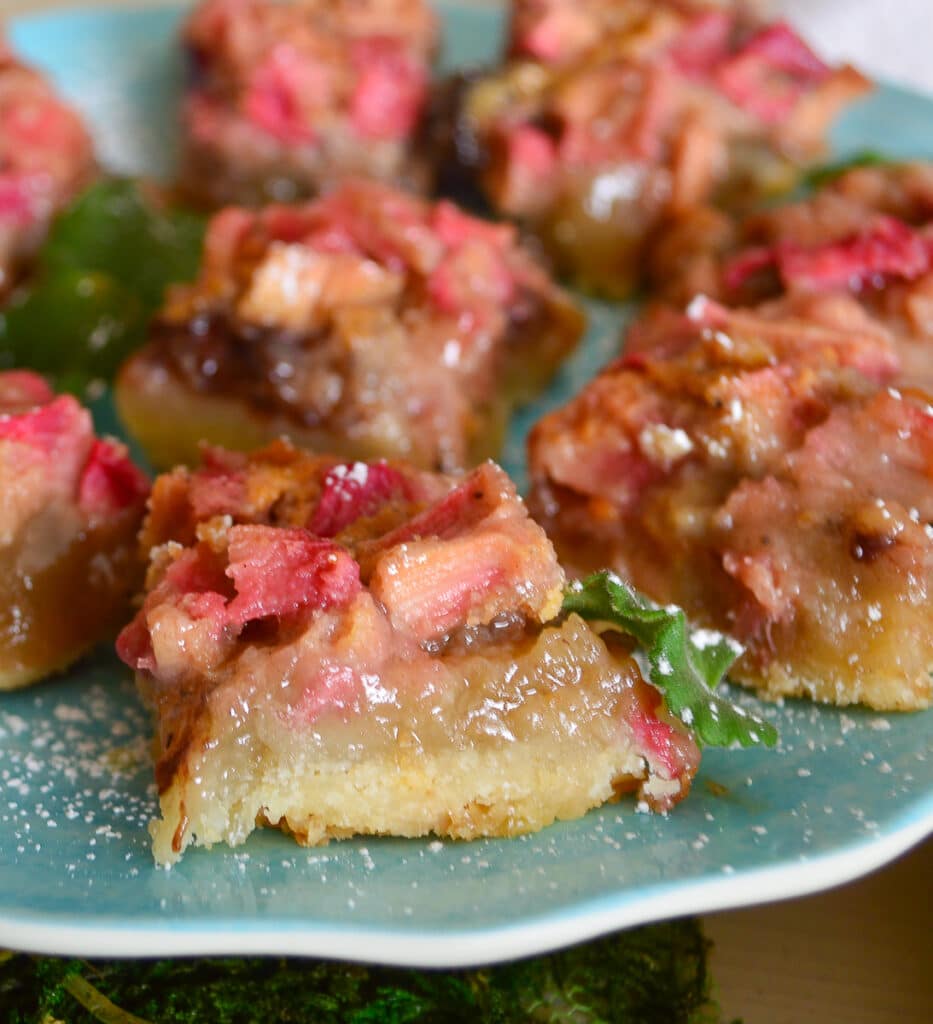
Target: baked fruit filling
x=46, y=158
x=70, y=507
x=334, y=648
x=608, y=116
x=367, y=323
x=285, y=99
x=757, y=470
x=866, y=237
x=833, y=555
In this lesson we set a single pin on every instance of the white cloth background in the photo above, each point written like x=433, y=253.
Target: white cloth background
x=890, y=39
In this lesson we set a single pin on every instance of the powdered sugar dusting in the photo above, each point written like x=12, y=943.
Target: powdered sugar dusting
x=80, y=792
x=77, y=772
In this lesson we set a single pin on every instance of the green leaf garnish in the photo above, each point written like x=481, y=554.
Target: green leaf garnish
x=74, y=326
x=103, y=272
x=826, y=173
x=115, y=229
x=683, y=663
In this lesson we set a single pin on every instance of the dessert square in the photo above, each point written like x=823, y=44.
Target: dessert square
x=607, y=117
x=758, y=468
x=70, y=507
x=334, y=648
x=46, y=158
x=863, y=240
x=366, y=323
x=285, y=99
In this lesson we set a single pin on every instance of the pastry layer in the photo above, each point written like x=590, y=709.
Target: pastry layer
x=501, y=745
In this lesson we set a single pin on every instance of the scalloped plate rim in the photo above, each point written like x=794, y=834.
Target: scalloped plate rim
x=73, y=931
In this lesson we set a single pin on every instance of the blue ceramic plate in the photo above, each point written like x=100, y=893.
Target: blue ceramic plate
x=846, y=792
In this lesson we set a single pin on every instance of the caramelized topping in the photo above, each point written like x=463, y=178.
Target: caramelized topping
x=379, y=319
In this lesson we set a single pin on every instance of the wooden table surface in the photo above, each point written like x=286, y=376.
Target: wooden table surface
x=859, y=954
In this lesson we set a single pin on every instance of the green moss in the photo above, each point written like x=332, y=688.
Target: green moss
x=652, y=975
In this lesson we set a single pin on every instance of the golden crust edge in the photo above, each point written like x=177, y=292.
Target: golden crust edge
x=454, y=794
x=879, y=693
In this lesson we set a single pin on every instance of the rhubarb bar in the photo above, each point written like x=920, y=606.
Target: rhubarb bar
x=607, y=117
x=366, y=323
x=70, y=508
x=285, y=99
x=334, y=648
x=864, y=240
x=758, y=468
x=46, y=158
